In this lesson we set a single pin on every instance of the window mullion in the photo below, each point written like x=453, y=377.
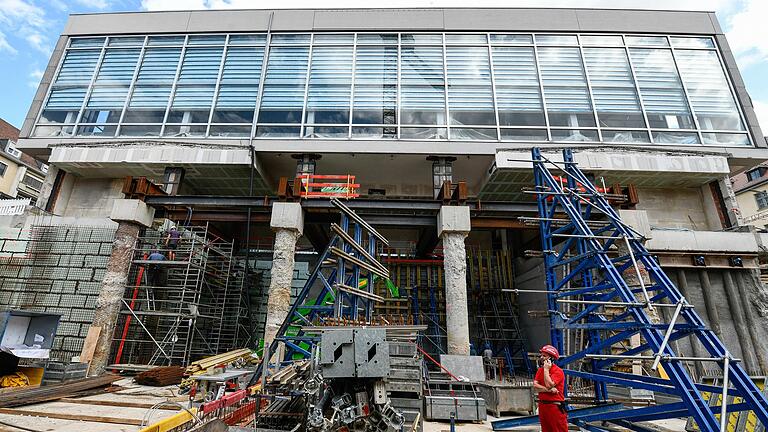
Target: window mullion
x=175, y=83
x=302, y=126
x=89, y=90
x=637, y=91
x=541, y=90
x=262, y=77
x=445, y=94
x=132, y=86
x=589, y=90
x=493, y=86
x=685, y=91
x=217, y=85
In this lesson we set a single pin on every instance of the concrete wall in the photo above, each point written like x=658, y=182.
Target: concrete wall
x=677, y=208
x=89, y=198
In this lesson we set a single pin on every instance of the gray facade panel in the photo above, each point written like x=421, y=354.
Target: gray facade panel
x=128, y=23
x=517, y=19
x=428, y=19
x=292, y=20
x=645, y=21
x=229, y=20
x=42, y=88
x=512, y=19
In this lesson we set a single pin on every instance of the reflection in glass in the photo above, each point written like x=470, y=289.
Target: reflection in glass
x=565, y=87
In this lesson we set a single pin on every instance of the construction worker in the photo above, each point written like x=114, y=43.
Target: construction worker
x=549, y=383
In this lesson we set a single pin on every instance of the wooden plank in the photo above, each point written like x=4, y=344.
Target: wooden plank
x=120, y=404
x=75, y=417
x=89, y=346
x=31, y=396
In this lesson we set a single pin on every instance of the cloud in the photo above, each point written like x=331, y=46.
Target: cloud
x=26, y=21
x=34, y=78
x=761, y=111
x=747, y=33
x=94, y=4
x=5, y=46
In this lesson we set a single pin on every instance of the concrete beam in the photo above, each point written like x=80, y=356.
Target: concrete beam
x=132, y=210
x=287, y=215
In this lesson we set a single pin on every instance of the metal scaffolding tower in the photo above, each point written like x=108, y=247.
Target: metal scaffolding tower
x=181, y=308
x=595, y=261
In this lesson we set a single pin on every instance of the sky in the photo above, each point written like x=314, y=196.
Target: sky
x=29, y=30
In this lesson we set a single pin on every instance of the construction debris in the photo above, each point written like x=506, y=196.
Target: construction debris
x=161, y=376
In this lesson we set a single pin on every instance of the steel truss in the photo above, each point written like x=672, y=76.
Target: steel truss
x=340, y=288
x=601, y=266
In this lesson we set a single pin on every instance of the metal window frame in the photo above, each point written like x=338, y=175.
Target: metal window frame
x=268, y=43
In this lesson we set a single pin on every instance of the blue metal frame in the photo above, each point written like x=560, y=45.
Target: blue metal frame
x=580, y=264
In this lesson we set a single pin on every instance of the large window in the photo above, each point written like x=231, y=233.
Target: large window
x=612, y=88
x=761, y=198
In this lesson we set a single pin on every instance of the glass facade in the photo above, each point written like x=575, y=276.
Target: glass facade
x=631, y=89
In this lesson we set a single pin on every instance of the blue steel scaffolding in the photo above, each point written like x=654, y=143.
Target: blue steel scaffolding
x=594, y=261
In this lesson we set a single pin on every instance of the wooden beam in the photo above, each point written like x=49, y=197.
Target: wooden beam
x=75, y=417
x=145, y=405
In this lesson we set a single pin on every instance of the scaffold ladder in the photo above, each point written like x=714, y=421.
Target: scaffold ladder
x=601, y=280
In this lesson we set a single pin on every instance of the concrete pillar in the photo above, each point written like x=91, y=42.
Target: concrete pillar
x=453, y=226
x=288, y=224
x=698, y=350
x=752, y=324
x=131, y=215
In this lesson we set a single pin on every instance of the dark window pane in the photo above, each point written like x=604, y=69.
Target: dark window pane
x=143, y=130
x=188, y=116
x=101, y=116
x=144, y=116
x=277, y=131
x=232, y=116
x=279, y=116
x=230, y=131
x=370, y=116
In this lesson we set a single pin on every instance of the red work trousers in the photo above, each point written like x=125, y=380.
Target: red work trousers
x=552, y=418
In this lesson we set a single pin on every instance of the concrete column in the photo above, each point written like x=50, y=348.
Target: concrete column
x=752, y=324
x=709, y=303
x=288, y=224
x=696, y=348
x=131, y=215
x=453, y=226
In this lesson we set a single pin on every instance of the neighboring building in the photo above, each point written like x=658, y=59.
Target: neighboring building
x=751, y=189
x=214, y=103
x=21, y=176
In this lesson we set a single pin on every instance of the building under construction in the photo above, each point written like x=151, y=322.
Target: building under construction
x=201, y=163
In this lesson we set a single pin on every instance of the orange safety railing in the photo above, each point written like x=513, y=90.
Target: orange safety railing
x=327, y=186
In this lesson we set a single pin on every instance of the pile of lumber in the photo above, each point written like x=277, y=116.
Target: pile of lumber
x=28, y=396
x=161, y=376
x=225, y=358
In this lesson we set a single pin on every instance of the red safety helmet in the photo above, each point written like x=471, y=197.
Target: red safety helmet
x=550, y=351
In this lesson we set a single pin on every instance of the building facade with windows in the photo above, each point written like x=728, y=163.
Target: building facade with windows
x=21, y=176
x=221, y=106
x=751, y=189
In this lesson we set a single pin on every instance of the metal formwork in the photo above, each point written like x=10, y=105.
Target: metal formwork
x=56, y=269
x=594, y=261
